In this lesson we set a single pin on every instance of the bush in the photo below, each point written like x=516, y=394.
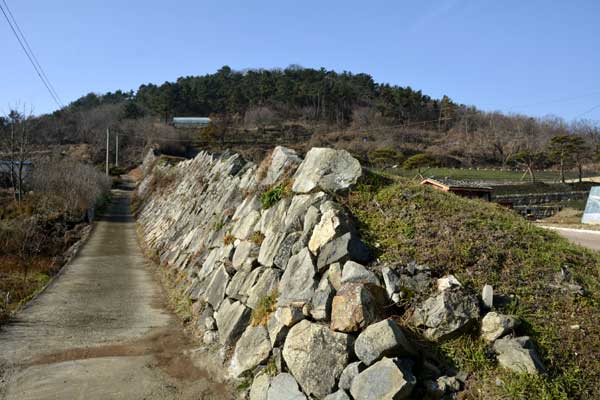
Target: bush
x=385, y=156
x=116, y=170
x=74, y=185
x=419, y=161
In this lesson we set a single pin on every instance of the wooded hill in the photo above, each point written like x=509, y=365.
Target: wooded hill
x=345, y=110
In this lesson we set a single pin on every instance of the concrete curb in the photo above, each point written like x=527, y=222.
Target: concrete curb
x=555, y=228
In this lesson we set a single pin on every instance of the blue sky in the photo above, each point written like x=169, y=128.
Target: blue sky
x=532, y=57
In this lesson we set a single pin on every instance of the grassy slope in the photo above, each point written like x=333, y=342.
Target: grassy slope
x=484, y=243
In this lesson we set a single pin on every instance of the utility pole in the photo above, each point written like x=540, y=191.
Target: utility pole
x=107, y=147
x=117, y=149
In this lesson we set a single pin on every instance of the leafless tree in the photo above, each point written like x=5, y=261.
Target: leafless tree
x=260, y=117
x=16, y=146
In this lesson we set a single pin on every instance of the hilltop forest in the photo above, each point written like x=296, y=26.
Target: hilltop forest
x=377, y=122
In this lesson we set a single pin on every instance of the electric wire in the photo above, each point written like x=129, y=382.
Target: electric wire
x=46, y=84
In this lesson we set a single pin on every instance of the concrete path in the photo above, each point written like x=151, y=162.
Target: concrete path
x=585, y=238
x=101, y=330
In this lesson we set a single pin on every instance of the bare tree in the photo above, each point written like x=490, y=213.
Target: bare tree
x=17, y=147
x=260, y=117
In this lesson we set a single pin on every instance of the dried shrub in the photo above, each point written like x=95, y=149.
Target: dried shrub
x=257, y=238
x=76, y=186
x=228, y=239
x=266, y=306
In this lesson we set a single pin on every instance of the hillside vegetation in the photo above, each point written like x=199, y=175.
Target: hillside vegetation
x=380, y=123
x=552, y=285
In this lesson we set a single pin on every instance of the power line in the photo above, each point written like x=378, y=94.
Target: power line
x=38, y=71
x=31, y=51
x=587, y=111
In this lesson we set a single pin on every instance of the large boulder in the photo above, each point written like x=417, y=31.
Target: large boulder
x=297, y=284
x=412, y=278
x=249, y=204
x=301, y=215
x=339, y=395
x=384, y=338
x=277, y=330
x=494, y=325
x=328, y=169
x=321, y=302
x=246, y=253
x=244, y=227
x=333, y=223
x=386, y=379
x=252, y=349
x=334, y=274
x=316, y=356
x=355, y=306
x=349, y=373
x=270, y=247
x=355, y=272
x=271, y=219
x=232, y=319
x=518, y=355
x=260, y=387
x=341, y=249
x=283, y=161
x=264, y=286
x=215, y=292
x=285, y=250
x=448, y=282
x=242, y=282
x=446, y=313
x=284, y=387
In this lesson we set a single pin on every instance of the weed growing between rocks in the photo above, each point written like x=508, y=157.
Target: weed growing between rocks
x=228, y=239
x=554, y=285
x=274, y=194
x=266, y=306
x=257, y=238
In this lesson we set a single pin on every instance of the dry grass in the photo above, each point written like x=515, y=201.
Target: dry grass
x=228, y=239
x=266, y=306
x=257, y=238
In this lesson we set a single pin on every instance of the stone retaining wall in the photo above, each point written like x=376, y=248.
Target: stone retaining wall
x=276, y=274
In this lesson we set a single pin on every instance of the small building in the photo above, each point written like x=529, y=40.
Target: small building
x=470, y=190
x=191, y=122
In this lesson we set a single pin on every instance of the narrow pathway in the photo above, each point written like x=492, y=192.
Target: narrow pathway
x=582, y=237
x=101, y=330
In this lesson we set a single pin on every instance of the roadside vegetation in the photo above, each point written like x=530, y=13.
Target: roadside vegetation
x=37, y=228
x=484, y=243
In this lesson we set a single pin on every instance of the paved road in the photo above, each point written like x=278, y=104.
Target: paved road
x=101, y=330
x=589, y=239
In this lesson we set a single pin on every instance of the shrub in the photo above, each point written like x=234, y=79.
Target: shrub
x=76, y=186
x=116, y=170
x=419, y=161
x=385, y=156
